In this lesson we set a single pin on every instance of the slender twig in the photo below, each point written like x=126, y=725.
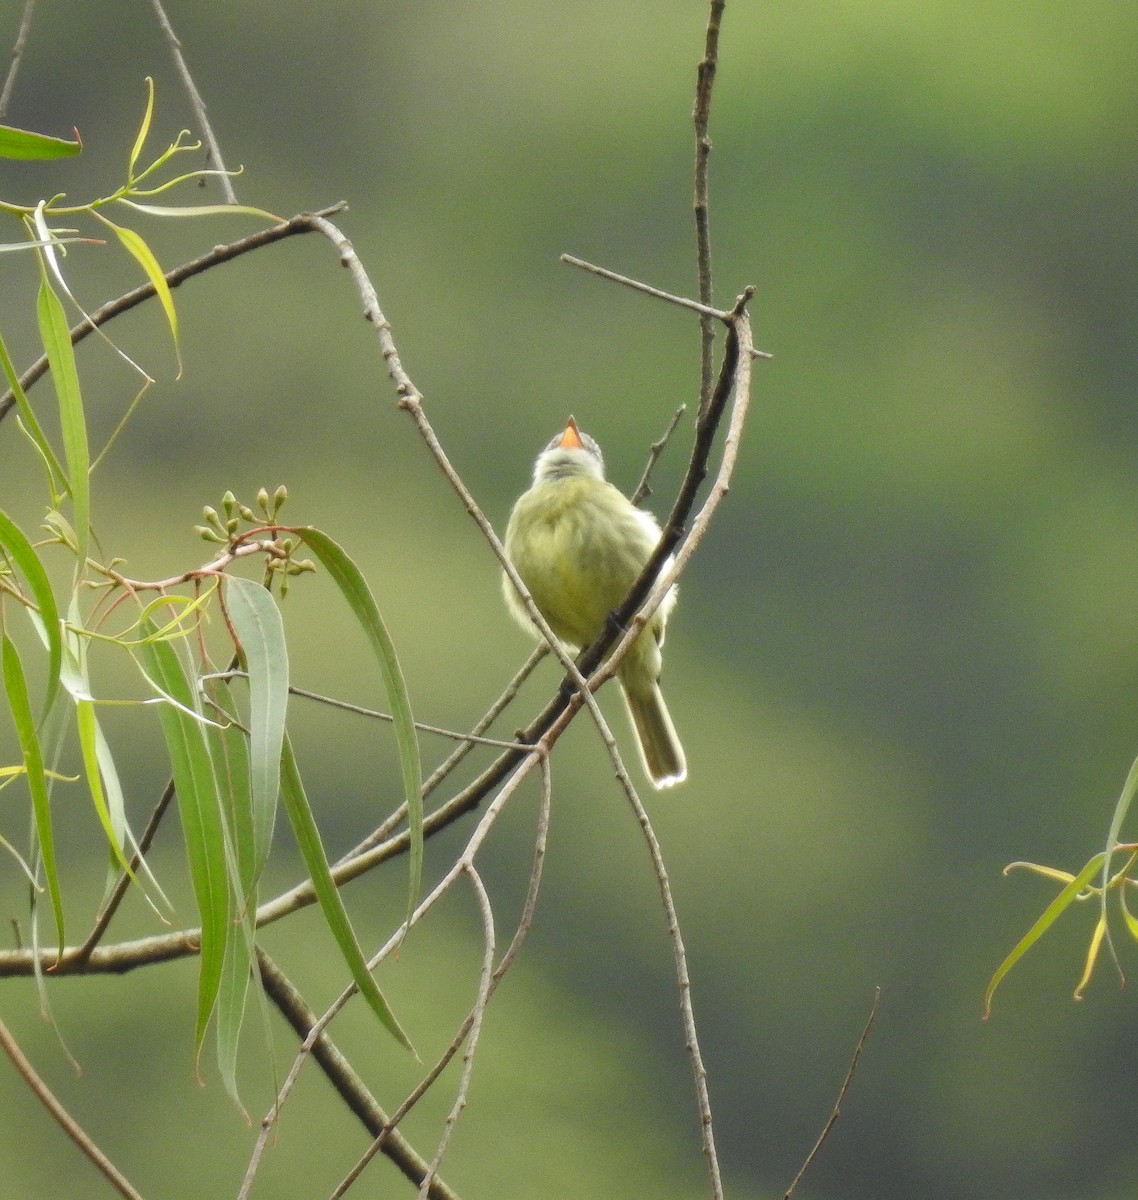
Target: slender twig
x=374, y=714
x=509, y=693
x=836, y=1112
x=118, y=892
x=485, y=983
x=17, y=55
x=343, y=1077
x=63, y=1118
x=704, y=308
x=683, y=979
x=701, y=117
x=525, y=922
x=644, y=487
x=657, y=577
x=213, y=150
x=301, y=223
x=319, y=1024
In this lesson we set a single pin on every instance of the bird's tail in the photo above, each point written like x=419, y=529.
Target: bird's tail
x=660, y=748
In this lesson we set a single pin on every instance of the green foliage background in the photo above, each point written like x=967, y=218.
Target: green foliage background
x=905, y=655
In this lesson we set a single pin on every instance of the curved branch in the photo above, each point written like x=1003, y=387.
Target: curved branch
x=301, y=223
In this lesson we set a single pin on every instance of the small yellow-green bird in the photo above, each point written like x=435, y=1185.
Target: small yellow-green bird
x=579, y=545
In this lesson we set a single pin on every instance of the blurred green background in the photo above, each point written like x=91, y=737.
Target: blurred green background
x=904, y=656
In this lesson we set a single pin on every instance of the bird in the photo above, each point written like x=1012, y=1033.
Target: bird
x=579, y=544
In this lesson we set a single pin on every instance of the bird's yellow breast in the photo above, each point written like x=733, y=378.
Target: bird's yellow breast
x=579, y=545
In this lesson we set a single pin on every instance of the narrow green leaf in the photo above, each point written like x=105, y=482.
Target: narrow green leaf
x=355, y=590
x=257, y=622
x=22, y=553
x=144, y=129
x=61, y=357
x=1131, y=920
x=231, y=765
x=201, y=210
x=328, y=895
x=16, y=688
x=28, y=416
x=1129, y=788
x=231, y=999
x=230, y=752
x=144, y=256
x=21, y=143
x=1046, y=920
x=200, y=809
x=113, y=825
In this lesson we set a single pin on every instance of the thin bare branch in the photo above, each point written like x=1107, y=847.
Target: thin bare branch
x=644, y=487
x=302, y=223
x=118, y=892
x=683, y=980
x=703, y=308
x=524, y=924
x=343, y=1077
x=64, y=1119
x=213, y=150
x=837, y=1109
x=485, y=986
x=17, y=55
x=701, y=118
x=319, y=1024
x=374, y=714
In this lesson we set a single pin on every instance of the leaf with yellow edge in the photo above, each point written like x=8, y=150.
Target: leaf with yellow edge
x=1130, y=919
x=1046, y=920
x=144, y=256
x=1092, y=956
x=144, y=129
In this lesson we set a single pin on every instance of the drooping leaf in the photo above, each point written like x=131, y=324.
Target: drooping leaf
x=257, y=622
x=1048, y=917
x=233, y=992
x=353, y=587
x=1092, y=956
x=199, y=806
x=22, y=553
x=61, y=357
x=15, y=686
x=58, y=478
x=144, y=256
x=327, y=894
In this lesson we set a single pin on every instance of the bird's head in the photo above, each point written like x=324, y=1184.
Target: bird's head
x=570, y=454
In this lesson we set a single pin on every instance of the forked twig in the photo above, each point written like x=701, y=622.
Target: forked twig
x=831, y=1121
x=644, y=487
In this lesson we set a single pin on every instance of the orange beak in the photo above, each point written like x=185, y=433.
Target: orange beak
x=571, y=438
